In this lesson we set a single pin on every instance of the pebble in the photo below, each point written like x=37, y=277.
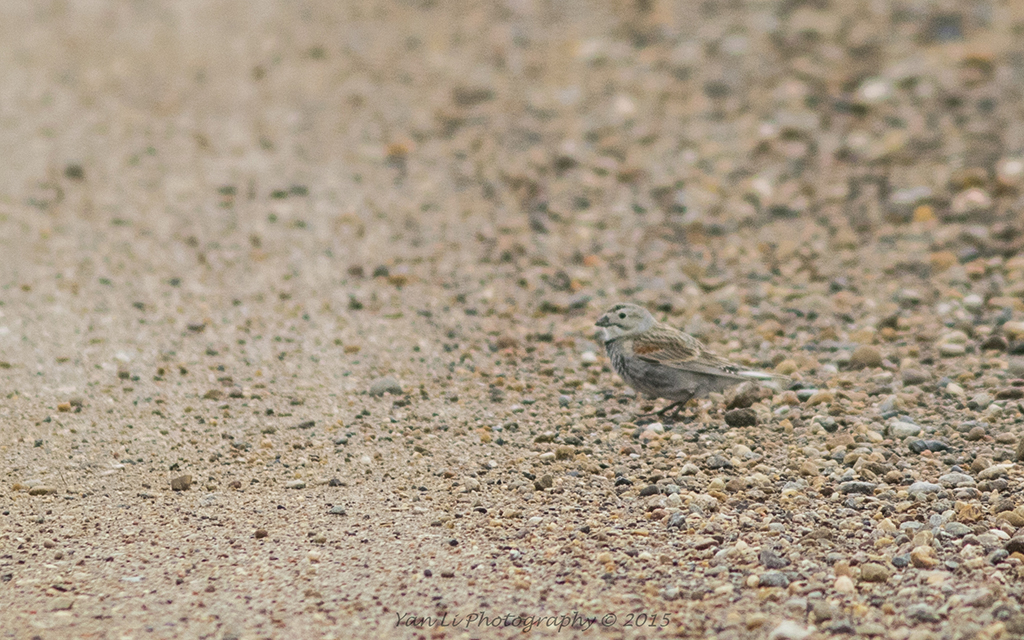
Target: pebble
x=741, y=418
x=337, y=510
x=181, y=483
x=873, y=572
x=900, y=430
x=922, y=612
x=997, y=556
x=1015, y=544
x=980, y=463
x=755, y=620
x=994, y=471
x=773, y=579
x=954, y=337
x=1011, y=393
x=980, y=401
x=295, y=484
x=809, y=468
x=919, y=446
x=874, y=90
x=387, y=384
x=1014, y=329
x=1010, y=172
x=786, y=367
x=796, y=607
x=789, y=630
x=820, y=397
x=823, y=610
x=870, y=629
x=42, y=490
x=805, y=394
x=546, y=481
x=718, y=462
x=956, y=479
x=976, y=433
x=973, y=302
x=957, y=529
x=857, y=487
x=844, y=584
x=914, y=377
x=744, y=395
x=772, y=560
x=970, y=203
x=994, y=343
x=923, y=557
x=866, y=356
x=923, y=488
x=951, y=349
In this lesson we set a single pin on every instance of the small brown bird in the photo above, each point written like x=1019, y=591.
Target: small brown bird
x=663, y=362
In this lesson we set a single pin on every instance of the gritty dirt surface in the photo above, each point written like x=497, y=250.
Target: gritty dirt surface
x=297, y=304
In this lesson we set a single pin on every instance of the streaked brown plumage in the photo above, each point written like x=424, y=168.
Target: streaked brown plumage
x=663, y=362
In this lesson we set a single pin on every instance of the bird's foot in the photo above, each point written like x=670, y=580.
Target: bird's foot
x=669, y=414
x=678, y=418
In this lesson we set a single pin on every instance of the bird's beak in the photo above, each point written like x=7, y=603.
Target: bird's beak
x=603, y=322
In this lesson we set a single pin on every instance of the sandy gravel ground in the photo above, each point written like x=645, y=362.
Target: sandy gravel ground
x=297, y=304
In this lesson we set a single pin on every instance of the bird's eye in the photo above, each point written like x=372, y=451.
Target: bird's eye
x=622, y=315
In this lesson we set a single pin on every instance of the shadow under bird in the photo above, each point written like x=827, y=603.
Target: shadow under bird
x=663, y=362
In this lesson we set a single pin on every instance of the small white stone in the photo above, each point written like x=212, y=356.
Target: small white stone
x=789, y=630
x=874, y=90
x=843, y=584
x=624, y=106
x=1010, y=172
x=951, y=349
x=954, y=337
x=900, y=430
x=1014, y=328
x=973, y=302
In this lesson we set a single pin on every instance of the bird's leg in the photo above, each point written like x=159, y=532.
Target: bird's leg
x=672, y=411
x=675, y=407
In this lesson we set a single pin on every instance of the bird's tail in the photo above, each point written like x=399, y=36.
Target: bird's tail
x=764, y=375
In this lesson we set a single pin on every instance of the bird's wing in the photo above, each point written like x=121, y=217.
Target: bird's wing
x=672, y=348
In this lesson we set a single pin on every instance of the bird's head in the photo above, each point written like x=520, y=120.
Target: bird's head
x=625, y=319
